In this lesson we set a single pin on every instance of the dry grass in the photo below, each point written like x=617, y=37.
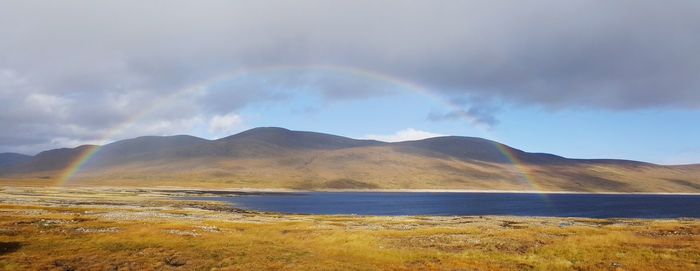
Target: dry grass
x=128, y=230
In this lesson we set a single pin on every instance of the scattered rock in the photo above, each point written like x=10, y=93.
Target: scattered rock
x=51, y=222
x=512, y=224
x=97, y=230
x=682, y=231
x=209, y=228
x=174, y=261
x=565, y=224
x=191, y=233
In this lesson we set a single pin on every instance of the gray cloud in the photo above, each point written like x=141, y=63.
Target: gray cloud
x=71, y=70
x=477, y=116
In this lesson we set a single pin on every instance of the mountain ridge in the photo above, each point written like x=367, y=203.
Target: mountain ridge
x=281, y=158
x=376, y=142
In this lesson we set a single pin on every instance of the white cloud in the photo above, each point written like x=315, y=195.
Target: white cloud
x=169, y=127
x=685, y=156
x=404, y=135
x=222, y=124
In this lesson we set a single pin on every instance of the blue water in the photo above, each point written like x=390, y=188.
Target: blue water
x=410, y=203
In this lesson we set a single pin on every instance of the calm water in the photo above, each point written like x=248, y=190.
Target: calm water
x=561, y=205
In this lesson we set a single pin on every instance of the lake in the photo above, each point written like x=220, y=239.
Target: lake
x=516, y=204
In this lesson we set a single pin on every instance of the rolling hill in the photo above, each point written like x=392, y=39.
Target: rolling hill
x=10, y=159
x=280, y=158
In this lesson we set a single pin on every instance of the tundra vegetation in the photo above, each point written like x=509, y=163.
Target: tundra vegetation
x=149, y=229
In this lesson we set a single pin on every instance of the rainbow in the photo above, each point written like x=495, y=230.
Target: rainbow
x=75, y=165
x=69, y=172
x=520, y=167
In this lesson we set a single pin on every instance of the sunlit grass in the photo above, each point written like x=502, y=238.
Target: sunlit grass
x=73, y=229
x=54, y=240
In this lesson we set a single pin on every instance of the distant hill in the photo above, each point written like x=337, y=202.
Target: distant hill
x=279, y=158
x=10, y=159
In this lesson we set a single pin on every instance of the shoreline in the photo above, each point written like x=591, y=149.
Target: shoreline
x=499, y=191
x=288, y=190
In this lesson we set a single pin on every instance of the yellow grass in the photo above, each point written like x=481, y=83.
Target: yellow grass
x=127, y=232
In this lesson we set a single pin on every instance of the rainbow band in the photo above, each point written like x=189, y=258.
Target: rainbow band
x=75, y=165
x=68, y=173
x=519, y=167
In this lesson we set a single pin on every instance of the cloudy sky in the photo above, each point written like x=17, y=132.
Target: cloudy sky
x=587, y=78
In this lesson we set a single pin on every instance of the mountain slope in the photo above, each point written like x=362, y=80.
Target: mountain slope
x=10, y=159
x=51, y=160
x=297, y=139
x=147, y=149
x=280, y=158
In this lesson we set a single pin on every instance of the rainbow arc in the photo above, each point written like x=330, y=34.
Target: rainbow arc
x=74, y=167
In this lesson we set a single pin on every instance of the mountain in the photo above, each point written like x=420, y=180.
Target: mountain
x=284, y=138
x=147, y=149
x=10, y=159
x=271, y=157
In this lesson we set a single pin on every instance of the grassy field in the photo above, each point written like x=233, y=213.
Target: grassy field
x=141, y=229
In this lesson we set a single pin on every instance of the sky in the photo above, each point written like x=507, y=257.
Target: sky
x=579, y=78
